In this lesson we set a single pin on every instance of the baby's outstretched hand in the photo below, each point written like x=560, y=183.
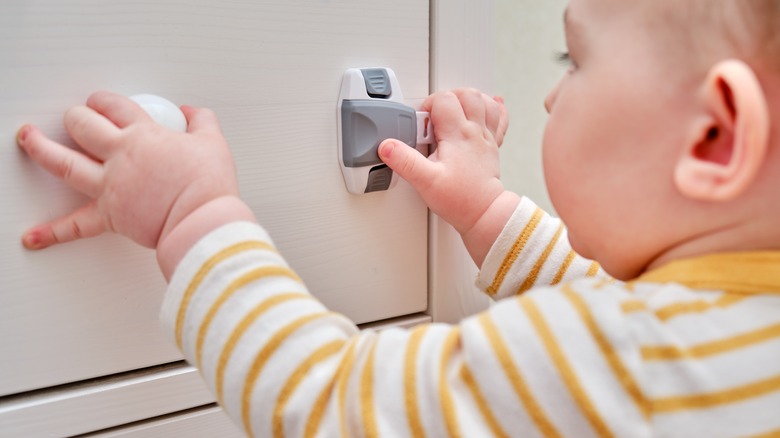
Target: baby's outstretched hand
x=460, y=180
x=142, y=178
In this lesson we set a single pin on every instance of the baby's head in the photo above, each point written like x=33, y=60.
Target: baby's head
x=663, y=138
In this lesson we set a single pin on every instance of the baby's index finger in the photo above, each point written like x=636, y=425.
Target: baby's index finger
x=76, y=169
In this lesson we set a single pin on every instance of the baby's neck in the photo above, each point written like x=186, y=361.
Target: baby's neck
x=739, y=237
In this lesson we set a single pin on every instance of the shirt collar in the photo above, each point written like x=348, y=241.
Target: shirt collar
x=739, y=272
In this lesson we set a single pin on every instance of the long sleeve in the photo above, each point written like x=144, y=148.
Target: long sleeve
x=281, y=364
x=532, y=250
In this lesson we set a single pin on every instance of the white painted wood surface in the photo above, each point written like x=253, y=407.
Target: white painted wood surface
x=462, y=55
x=211, y=422
x=271, y=70
x=100, y=404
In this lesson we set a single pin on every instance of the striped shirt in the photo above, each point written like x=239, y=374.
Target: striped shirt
x=690, y=349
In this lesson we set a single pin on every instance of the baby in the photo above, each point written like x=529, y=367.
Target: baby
x=662, y=157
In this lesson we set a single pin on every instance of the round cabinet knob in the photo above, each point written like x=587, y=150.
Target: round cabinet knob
x=162, y=111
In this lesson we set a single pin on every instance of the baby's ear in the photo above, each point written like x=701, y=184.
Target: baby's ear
x=727, y=149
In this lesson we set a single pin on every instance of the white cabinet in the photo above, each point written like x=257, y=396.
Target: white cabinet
x=272, y=71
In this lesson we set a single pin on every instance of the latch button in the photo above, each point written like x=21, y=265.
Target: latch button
x=379, y=179
x=377, y=82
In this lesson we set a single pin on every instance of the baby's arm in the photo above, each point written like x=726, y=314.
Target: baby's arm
x=281, y=364
x=532, y=250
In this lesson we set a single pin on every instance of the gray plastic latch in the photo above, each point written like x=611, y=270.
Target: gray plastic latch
x=377, y=82
x=366, y=123
x=379, y=178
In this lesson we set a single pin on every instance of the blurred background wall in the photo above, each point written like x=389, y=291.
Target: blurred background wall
x=529, y=35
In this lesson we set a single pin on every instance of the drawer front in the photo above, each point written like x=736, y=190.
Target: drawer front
x=272, y=71
x=208, y=422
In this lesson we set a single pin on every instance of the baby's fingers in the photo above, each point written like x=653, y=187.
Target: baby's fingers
x=409, y=164
x=82, y=223
x=77, y=170
x=446, y=113
x=497, y=118
x=93, y=132
x=473, y=104
x=201, y=120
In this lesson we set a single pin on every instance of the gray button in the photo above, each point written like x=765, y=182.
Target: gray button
x=377, y=82
x=379, y=179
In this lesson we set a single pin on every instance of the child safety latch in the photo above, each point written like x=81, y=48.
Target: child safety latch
x=371, y=109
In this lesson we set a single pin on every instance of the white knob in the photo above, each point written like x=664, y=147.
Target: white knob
x=162, y=111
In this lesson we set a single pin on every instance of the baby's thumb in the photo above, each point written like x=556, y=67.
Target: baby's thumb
x=407, y=162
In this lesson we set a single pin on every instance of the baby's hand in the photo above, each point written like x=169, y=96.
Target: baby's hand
x=142, y=179
x=460, y=180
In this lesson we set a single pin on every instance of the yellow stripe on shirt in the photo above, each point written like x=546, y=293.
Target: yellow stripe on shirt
x=262, y=358
x=674, y=310
x=367, y=395
x=633, y=306
x=204, y=270
x=530, y=280
x=517, y=381
x=593, y=269
x=744, y=340
x=514, y=252
x=482, y=404
x=320, y=405
x=345, y=372
x=410, y=381
x=718, y=398
x=564, y=267
x=295, y=379
x=699, y=306
x=318, y=410
x=242, y=327
x=235, y=286
x=445, y=396
x=613, y=359
x=771, y=434
x=564, y=368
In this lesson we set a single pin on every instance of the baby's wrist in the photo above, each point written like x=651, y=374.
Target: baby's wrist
x=174, y=244
x=481, y=236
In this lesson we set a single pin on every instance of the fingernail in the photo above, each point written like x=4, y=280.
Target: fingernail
x=21, y=136
x=386, y=148
x=31, y=240
x=499, y=99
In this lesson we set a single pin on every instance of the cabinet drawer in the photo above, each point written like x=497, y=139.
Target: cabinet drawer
x=102, y=403
x=272, y=72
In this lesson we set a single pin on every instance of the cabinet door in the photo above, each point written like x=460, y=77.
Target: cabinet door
x=272, y=71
